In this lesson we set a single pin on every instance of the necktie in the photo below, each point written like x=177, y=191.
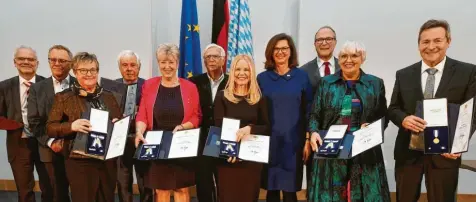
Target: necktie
x=327, y=69
x=430, y=83
x=27, y=84
x=26, y=131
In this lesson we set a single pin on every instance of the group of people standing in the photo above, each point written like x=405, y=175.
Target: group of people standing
x=289, y=103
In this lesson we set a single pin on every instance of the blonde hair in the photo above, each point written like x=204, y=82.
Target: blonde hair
x=168, y=49
x=254, y=92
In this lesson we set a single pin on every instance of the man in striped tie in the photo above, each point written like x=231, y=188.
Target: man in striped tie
x=324, y=64
x=22, y=146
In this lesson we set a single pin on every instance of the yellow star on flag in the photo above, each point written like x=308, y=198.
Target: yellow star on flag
x=189, y=27
x=189, y=74
x=196, y=28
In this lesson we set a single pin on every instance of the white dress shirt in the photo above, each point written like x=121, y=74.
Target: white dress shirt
x=23, y=104
x=424, y=75
x=59, y=86
x=322, y=67
x=214, y=84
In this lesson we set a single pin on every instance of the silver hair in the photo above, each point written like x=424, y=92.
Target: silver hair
x=354, y=47
x=23, y=47
x=168, y=49
x=326, y=27
x=213, y=45
x=127, y=53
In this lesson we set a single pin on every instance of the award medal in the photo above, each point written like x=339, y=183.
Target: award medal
x=436, y=140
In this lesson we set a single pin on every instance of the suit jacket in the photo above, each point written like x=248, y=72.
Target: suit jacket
x=458, y=84
x=313, y=71
x=10, y=108
x=40, y=100
x=191, y=103
x=140, y=82
x=67, y=108
x=206, y=102
x=118, y=89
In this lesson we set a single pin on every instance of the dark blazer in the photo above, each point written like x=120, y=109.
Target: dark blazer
x=140, y=82
x=312, y=71
x=10, y=108
x=67, y=108
x=206, y=102
x=40, y=100
x=458, y=84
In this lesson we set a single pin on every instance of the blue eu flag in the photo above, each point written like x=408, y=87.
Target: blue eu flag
x=190, y=57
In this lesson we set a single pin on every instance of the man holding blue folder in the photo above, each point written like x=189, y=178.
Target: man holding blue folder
x=436, y=76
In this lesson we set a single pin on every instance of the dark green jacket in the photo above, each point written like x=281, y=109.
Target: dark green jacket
x=328, y=104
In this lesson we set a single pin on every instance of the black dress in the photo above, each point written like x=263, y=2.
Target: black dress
x=240, y=181
x=176, y=173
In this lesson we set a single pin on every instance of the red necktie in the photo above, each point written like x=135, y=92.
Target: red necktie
x=327, y=69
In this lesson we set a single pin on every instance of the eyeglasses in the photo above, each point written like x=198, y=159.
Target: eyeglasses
x=19, y=59
x=281, y=49
x=60, y=61
x=327, y=40
x=214, y=57
x=85, y=71
x=354, y=56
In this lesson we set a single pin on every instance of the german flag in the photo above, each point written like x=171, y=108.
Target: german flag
x=221, y=20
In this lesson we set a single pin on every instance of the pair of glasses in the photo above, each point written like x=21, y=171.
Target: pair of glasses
x=214, y=57
x=60, y=61
x=327, y=40
x=19, y=59
x=354, y=56
x=281, y=49
x=86, y=71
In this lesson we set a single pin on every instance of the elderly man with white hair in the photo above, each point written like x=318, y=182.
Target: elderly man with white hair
x=354, y=98
x=208, y=85
x=129, y=64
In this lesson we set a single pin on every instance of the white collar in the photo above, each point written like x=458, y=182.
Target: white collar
x=218, y=80
x=440, y=66
x=64, y=80
x=320, y=62
x=22, y=80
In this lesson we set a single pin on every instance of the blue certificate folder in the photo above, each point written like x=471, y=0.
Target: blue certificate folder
x=213, y=145
x=342, y=149
x=439, y=139
x=93, y=144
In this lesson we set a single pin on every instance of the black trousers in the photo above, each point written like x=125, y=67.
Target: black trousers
x=23, y=165
x=58, y=179
x=125, y=165
x=205, y=177
x=441, y=183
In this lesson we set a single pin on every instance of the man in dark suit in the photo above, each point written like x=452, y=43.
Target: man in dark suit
x=40, y=100
x=22, y=146
x=436, y=76
x=208, y=84
x=324, y=64
x=129, y=65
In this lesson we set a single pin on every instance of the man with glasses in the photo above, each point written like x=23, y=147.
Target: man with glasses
x=208, y=84
x=324, y=64
x=129, y=65
x=22, y=146
x=40, y=100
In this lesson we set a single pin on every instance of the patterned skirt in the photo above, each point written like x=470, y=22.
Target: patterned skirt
x=344, y=181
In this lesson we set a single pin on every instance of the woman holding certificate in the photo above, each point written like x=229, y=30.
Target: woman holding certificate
x=354, y=98
x=242, y=100
x=168, y=103
x=89, y=179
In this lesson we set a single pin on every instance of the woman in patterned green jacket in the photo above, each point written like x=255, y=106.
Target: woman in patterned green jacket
x=353, y=98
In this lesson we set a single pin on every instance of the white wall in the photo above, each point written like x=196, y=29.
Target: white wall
x=389, y=31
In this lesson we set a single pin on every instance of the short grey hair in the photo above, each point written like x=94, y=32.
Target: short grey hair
x=326, y=27
x=23, y=47
x=354, y=47
x=213, y=45
x=168, y=49
x=127, y=53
